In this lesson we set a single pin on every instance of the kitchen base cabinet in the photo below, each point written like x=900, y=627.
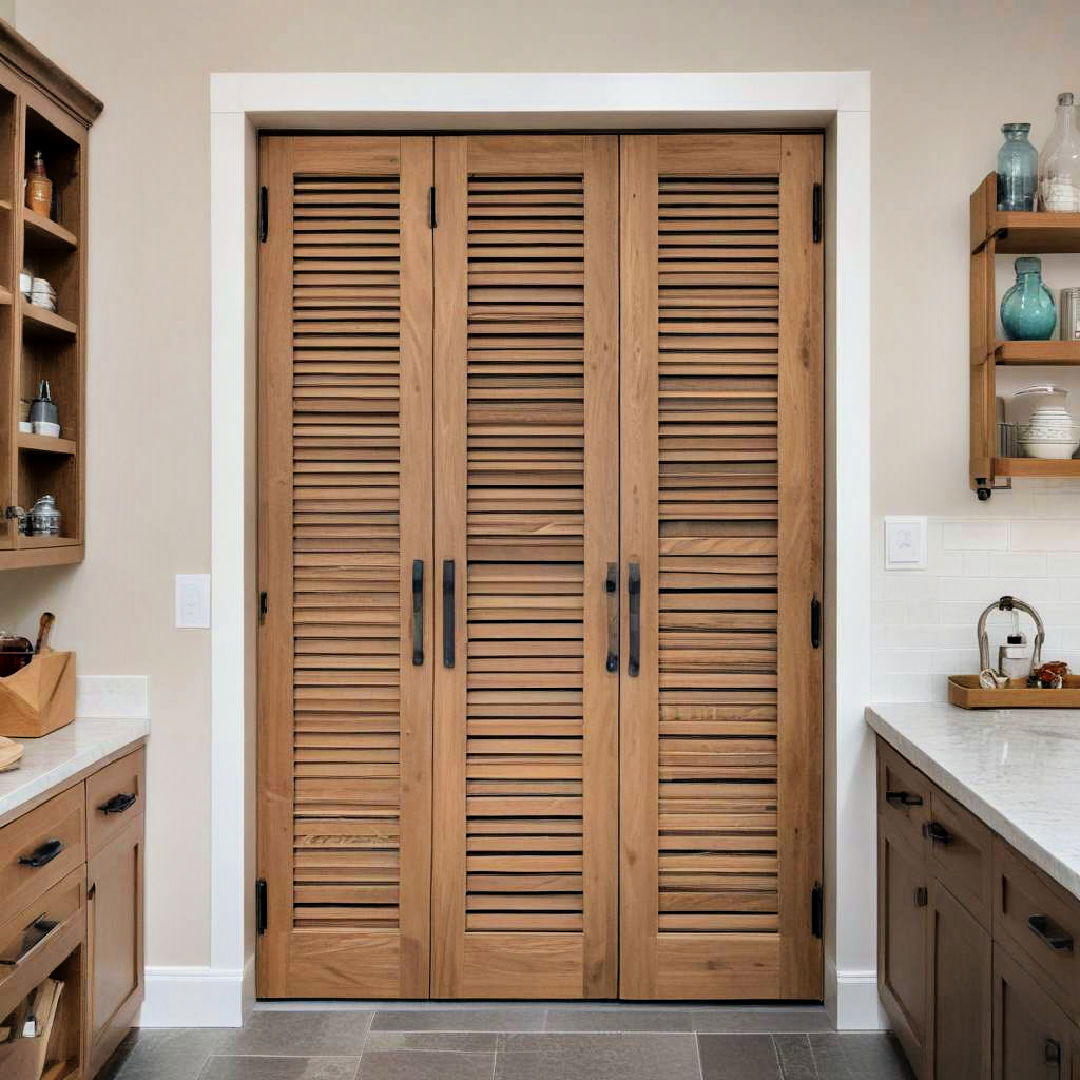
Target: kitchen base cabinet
x=902, y=910
x=959, y=1002
x=977, y=967
x=114, y=940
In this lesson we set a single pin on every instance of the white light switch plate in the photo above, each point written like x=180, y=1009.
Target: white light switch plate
x=905, y=543
x=192, y=601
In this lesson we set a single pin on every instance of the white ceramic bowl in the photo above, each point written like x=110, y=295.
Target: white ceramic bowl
x=1045, y=448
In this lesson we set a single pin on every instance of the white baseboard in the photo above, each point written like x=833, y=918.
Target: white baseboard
x=193, y=997
x=858, y=1007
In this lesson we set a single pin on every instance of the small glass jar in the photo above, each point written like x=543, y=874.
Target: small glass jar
x=1059, y=162
x=1017, y=169
x=1028, y=312
x=44, y=518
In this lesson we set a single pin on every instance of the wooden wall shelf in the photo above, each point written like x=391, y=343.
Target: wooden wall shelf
x=44, y=110
x=995, y=233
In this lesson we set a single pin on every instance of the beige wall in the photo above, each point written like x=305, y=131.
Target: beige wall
x=944, y=77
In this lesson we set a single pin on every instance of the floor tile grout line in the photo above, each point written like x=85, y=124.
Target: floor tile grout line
x=697, y=1054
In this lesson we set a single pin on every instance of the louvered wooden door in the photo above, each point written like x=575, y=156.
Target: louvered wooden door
x=526, y=519
x=345, y=538
x=720, y=715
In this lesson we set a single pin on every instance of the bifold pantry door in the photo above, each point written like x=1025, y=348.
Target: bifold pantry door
x=344, y=726
x=721, y=534
x=540, y=530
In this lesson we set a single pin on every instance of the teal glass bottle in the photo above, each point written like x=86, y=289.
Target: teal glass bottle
x=1027, y=309
x=1017, y=169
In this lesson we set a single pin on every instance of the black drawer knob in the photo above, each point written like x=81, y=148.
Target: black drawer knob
x=43, y=855
x=903, y=798
x=118, y=804
x=1051, y=936
x=937, y=833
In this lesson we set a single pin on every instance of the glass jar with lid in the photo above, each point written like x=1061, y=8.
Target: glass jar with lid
x=1059, y=162
x=1017, y=169
x=44, y=517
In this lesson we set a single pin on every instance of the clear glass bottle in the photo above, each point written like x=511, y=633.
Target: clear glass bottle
x=1017, y=169
x=1059, y=162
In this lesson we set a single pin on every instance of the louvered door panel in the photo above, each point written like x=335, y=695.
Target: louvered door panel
x=524, y=859
x=721, y=523
x=345, y=371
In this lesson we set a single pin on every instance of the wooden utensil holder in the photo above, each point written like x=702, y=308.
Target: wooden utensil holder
x=40, y=697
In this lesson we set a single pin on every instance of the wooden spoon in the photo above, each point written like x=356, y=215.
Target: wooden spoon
x=45, y=626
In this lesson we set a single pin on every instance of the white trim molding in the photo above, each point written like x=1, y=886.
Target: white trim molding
x=241, y=104
x=192, y=997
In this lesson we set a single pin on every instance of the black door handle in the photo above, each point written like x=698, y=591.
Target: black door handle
x=634, y=586
x=418, y=612
x=43, y=855
x=903, y=798
x=118, y=804
x=815, y=623
x=1051, y=937
x=1052, y=1052
x=922, y=896
x=611, y=588
x=449, y=651
x=936, y=833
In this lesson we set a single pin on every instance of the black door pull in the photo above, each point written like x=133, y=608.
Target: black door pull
x=43, y=855
x=418, y=612
x=119, y=803
x=634, y=586
x=449, y=651
x=1051, y=936
x=611, y=589
x=937, y=833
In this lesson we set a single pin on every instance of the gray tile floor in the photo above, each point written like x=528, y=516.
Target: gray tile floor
x=513, y=1042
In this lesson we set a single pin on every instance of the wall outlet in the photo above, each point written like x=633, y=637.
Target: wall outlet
x=905, y=543
x=192, y=601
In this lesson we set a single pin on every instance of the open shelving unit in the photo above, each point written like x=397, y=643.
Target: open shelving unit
x=994, y=233
x=42, y=109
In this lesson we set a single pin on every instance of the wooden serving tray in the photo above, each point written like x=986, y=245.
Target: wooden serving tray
x=966, y=693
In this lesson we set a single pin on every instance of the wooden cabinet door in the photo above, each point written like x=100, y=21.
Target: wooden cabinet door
x=345, y=559
x=960, y=998
x=721, y=466
x=902, y=953
x=114, y=893
x=1032, y=1037
x=526, y=518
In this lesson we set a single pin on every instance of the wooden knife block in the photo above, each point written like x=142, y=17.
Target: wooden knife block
x=40, y=697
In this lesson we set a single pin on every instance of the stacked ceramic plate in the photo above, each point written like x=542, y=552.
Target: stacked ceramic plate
x=1050, y=431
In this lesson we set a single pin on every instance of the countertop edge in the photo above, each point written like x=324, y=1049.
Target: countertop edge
x=116, y=738
x=990, y=815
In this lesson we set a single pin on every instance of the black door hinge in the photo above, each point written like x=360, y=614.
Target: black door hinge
x=817, y=910
x=815, y=623
x=264, y=214
x=264, y=606
x=819, y=212
x=260, y=906
x=432, y=209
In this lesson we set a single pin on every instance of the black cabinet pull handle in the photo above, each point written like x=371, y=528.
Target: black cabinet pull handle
x=937, y=834
x=1048, y=934
x=611, y=588
x=1052, y=1052
x=903, y=798
x=43, y=855
x=922, y=897
x=418, y=612
x=118, y=804
x=815, y=623
x=634, y=585
x=449, y=651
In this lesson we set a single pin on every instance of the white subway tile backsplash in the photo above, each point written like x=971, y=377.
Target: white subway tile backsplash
x=1045, y=536
x=1063, y=565
x=975, y=535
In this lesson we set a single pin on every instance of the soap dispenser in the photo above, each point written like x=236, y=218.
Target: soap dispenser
x=1014, y=661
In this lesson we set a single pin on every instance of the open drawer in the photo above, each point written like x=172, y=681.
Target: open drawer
x=37, y=940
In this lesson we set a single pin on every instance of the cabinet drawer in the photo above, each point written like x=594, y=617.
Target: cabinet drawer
x=903, y=795
x=114, y=795
x=37, y=938
x=960, y=854
x=39, y=848
x=1040, y=922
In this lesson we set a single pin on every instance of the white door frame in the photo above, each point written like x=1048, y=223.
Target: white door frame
x=243, y=104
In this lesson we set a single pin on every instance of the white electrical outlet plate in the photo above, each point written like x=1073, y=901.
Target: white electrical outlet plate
x=192, y=601
x=905, y=543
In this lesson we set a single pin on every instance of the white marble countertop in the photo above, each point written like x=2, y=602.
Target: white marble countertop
x=1016, y=769
x=49, y=761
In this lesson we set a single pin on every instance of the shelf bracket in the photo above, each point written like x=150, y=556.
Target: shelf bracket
x=984, y=489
